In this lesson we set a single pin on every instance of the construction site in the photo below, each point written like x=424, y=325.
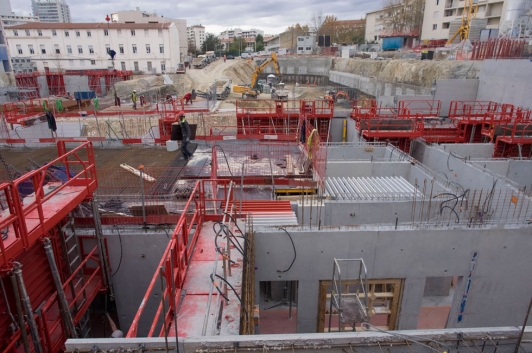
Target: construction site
x=342, y=205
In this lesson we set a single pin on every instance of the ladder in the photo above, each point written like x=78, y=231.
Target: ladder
x=73, y=259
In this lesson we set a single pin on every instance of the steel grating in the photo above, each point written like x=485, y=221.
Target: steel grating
x=371, y=188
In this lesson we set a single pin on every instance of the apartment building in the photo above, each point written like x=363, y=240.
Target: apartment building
x=196, y=36
x=139, y=16
x=238, y=32
x=9, y=18
x=440, y=13
x=148, y=47
x=305, y=44
x=375, y=25
x=51, y=10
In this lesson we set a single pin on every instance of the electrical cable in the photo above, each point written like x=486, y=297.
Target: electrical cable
x=226, y=161
x=234, y=221
x=464, y=159
x=365, y=326
x=230, y=286
x=295, y=253
x=121, y=253
x=217, y=248
x=223, y=228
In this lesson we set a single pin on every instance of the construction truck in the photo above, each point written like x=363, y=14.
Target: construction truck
x=223, y=88
x=279, y=92
x=199, y=63
x=251, y=91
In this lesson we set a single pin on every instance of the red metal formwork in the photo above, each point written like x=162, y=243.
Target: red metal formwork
x=177, y=256
x=28, y=82
x=515, y=138
x=498, y=48
x=269, y=132
x=419, y=108
x=45, y=203
x=56, y=83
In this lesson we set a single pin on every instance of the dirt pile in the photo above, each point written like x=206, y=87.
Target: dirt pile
x=414, y=72
x=152, y=84
x=240, y=71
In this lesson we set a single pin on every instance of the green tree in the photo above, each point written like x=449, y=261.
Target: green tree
x=259, y=42
x=239, y=45
x=211, y=43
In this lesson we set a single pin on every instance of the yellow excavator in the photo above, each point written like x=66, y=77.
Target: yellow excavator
x=251, y=91
x=470, y=12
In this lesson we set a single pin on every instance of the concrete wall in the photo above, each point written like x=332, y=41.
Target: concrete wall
x=367, y=169
x=506, y=81
x=499, y=292
x=448, y=90
x=138, y=255
x=355, y=152
x=302, y=66
x=516, y=170
x=76, y=84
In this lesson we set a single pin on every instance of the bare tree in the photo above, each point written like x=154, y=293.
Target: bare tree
x=403, y=16
x=316, y=21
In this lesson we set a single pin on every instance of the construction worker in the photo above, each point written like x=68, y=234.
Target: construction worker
x=134, y=98
x=185, y=131
x=188, y=98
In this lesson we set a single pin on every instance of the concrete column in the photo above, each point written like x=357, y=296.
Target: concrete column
x=411, y=303
x=307, y=306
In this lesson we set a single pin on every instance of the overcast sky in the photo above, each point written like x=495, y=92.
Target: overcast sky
x=271, y=16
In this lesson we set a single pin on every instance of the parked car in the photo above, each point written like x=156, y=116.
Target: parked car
x=229, y=57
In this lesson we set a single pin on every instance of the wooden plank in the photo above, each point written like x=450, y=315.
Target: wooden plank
x=289, y=165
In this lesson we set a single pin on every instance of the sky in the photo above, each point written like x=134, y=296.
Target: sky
x=271, y=16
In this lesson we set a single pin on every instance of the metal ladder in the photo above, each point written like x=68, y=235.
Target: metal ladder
x=73, y=259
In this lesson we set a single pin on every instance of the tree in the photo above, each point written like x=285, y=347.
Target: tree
x=239, y=44
x=211, y=43
x=259, y=42
x=403, y=17
x=292, y=32
x=316, y=21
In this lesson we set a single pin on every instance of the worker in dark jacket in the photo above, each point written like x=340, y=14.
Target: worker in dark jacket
x=185, y=131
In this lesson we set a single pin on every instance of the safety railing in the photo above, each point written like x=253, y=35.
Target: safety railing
x=269, y=132
x=267, y=107
x=174, y=263
x=375, y=128
x=37, y=189
x=472, y=110
x=318, y=108
x=421, y=108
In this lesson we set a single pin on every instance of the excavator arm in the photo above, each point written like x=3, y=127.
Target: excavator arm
x=262, y=66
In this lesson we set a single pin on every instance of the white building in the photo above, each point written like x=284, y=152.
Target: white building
x=152, y=47
x=439, y=14
x=305, y=44
x=196, y=36
x=237, y=32
x=51, y=10
x=375, y=25
x=138, y=16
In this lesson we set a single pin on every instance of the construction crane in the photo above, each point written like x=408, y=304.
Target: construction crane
x=252, y=92
x=470, y=12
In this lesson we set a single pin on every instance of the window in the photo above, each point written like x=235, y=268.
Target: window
x=119, y=32
x=80, y=49
x=163, y=66
x=71, y=62
x=69, y=49
x=309, y=48
x=299, y=48
x=15, y=33
x=148, y=50
x=434, y=27
x=27, y=33
x=300, y=39
x=123, y=65
x=134, y=49
x=437, y=2
x=93, y=62
x=89, y=34
x=146, y=33
x=78, y=34
x=82, y=63
x=161, y=48
x=105, y=32
x=121, y=48
x=149, y=65
x=446, y=25
x=132, y=32
x=43, y=49
x=30, y=47
x=160, y=32
x=19, y=49
x=54, y=32
x=136, y=65
x=436, y=14
x=91, y=49
x=67, y=34
x=107, y=48
x=56, y=49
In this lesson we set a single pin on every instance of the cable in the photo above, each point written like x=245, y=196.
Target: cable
x=464, y=159
x=365, y=326
x=217, y=248
x=240, y=230
x=223, y=228
x=226, y=161
x=234, y=290
x=121, y=253
x=295, y=254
